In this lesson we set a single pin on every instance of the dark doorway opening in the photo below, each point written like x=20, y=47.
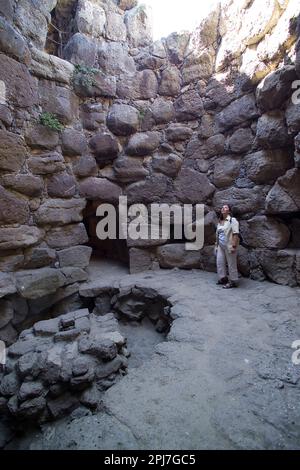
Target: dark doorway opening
x=61, y=27
x=103, y=249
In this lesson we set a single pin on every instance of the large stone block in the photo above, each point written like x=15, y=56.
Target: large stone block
x=265, y=232
x=114, y=59
x=21, y=87
x=73, y=142
x=12, y=151
x=41, y=137
x=77, y=256
x=64, y=237
x=100, y=189
x=276, y=88
x=292, y=116
x=19, y=237
x=193, y=187
x=90, y=18
x=162, y=110
x=176, y=45
x=7, y=285
x=279, y=266
x=170, y=82
x=85, y=166
x=105, y=147
x=178, y=132
x=12, y=43
x=50, y=67
x=144, y=143
x=123, y=119
x=272, y=131
x=13, y=210
x=242, y=200
x=152, y=189
x=38, y=257
x=237, y=112
x=115, y=28
x=266, y=166
x=61, y=185
x=59, y=101
x=89, y=84
x=175, y=255
x=129, y=170
x=29, y=185
x=31, y=19
x=46, y=164
x=139, y=28
x=36, y=283
x=284, y=197
x=167, y=164
x=59, y=212
x=226, y=170
x=81, y=50
x=189, y=106
x=241, y=141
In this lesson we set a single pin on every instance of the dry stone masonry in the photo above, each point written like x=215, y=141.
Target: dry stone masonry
x=92, y=108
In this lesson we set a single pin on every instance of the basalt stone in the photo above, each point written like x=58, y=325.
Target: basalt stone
x=123, y=119
x=11, y=261
x=47, y=163
x=140, y=260
x=275, y=89
x=142, y=144
x=226, y=170
x=73, y=143
x=292, y=116
x=241, y=141
x=272, y=131
x=284, y=197
x=266, y=166
x=19, y=237
x=242, y=200
x=176, y=45
x=95, y=84
x=81, y=50
x=237, y=112
x=9, y=385
x=64, y=237
x=59, y=101
x=100, y=189
x=167, y=164
x=30, y=390
x=90, y=18
x=114, y=59
x=42, y=137
x=138, y=24
x=279, y=266
x=175, y=255
x=193, y=187
x=115, y=28
x=189, y=106
x=50, y=67
x=85, y=166
x=21, y=87
x=36, y=283
x=129, y=169
x=8, y=334
x=62, y=405
x=105, y=147
x=7, y=312
x=60, y=212
x=177, y=132
x=12, y=43
x=46, y=327
x=38, y=257
x=197, y=66
x=5, y=115
x=12, y=151
x=7, y=285
x=61, y=185
x=170, y=82
x=265, y=232
x=29, y=185
x=152, y=189
x=78, y=256
x=73, y=275
x=163, y=111
x=13, y=210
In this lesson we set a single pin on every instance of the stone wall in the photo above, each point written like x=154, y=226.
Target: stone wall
x=199, y=117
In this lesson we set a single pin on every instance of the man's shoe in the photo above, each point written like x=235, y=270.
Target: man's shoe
x=222, y=281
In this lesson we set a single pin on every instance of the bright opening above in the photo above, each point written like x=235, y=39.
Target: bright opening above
x=170, y=16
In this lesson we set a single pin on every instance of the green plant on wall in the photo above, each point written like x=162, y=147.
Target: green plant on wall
x=51, y=121
x=85, y=76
